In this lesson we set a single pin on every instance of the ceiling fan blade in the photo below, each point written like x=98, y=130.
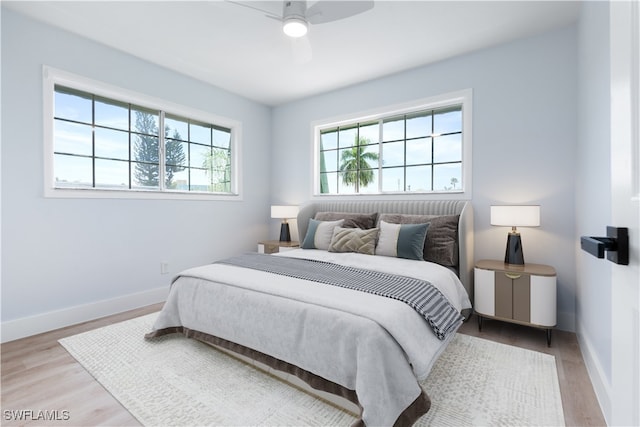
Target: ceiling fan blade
x=327, y=11
x=266, y=7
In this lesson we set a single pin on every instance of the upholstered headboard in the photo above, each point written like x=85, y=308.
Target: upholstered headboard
x=410, y=207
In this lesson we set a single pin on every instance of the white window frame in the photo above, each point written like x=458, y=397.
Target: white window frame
x=53, y=77
x=462, y=97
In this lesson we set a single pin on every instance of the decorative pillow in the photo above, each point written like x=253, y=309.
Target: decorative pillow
x=441, y=244
x=354, y=240
x=319, y=234
x=402, y=240
x=351, y=220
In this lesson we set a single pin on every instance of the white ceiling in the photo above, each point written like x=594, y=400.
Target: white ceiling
x=239, y=49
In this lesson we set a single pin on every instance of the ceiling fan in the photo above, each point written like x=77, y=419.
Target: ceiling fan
x=296, y=16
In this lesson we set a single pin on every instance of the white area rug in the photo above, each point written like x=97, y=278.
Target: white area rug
x=178, y=381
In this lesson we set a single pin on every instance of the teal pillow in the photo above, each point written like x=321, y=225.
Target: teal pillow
x=402, y=240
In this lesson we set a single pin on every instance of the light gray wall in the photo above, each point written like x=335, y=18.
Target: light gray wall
x=61, y=253
x=593, y=194
x=524, y=141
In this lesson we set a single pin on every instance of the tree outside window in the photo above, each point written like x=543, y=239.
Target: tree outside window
x=415, y=152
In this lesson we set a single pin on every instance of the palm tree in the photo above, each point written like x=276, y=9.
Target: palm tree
x=354, y=164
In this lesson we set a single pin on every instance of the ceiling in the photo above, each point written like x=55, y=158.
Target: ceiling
x=238, y=48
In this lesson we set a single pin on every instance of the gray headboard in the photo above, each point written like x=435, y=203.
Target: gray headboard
x=413, y=207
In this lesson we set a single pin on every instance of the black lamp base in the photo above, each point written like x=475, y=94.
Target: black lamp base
x=285, y=235
x=513, y=254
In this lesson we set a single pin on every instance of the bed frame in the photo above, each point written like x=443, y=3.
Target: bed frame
x=412, y=207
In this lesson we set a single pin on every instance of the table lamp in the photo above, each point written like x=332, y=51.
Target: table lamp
x=284, y=212
x=515, y=216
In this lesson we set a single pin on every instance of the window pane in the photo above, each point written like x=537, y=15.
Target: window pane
x=419, y=151
x=447, y=148
x=199, y=155
x=393, y=154
x=329, y=140
x=200, y=134
x=112, y=114
x=176, y=152
x=72, y=171
x=448, y=120
x=144, y=121
x=369, y=156
x=419, y=178
x=370, y=132
x=418, y=125
x=221, y=187
x=222, y=138
x=176, y=128
x=393, y=129
x=112, y=173
x=145, y=175
x=72, y=138
x=347, y=137
x=175, y=161
x=219, y=165
x=72, y=105
x=180, y=180
x=368, y=181
x=112, y=144
x=345, y=187
x=145, y=149
x=328, y=183
x=200, y=181
x=447, y=177
x=330, y=161
x=348, y=159
x=393, y=179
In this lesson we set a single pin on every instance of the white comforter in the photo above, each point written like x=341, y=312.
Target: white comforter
x=377, y=346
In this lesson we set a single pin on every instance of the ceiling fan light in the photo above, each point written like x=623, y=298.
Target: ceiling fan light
x=295, y=27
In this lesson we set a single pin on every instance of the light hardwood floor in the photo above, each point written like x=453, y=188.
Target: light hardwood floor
x=39, y=375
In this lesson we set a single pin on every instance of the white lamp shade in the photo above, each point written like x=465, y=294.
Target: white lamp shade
x=294, y=27
x=284, y=211
x=515, y=216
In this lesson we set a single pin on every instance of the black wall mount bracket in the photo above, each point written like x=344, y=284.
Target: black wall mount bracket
x=616, y=245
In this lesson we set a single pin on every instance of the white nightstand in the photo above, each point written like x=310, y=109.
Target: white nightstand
x=523, y=294
x=273, y=246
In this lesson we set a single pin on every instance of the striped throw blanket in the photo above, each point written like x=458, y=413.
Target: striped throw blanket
x=420, y=295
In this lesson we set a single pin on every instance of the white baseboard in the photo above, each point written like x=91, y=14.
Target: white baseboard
x=601, y=385
x=45, y=322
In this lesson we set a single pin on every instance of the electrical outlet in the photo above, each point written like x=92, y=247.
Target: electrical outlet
x=164, y=267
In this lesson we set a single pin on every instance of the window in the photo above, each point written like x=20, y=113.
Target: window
x=421, y=148
x=107, y=139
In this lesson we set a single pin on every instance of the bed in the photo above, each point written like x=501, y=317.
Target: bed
x=337, y=313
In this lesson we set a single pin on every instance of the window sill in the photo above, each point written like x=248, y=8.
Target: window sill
x=442, y=195
x=92, y=193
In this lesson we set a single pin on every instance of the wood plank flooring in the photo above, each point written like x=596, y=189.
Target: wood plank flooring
x=39, y=375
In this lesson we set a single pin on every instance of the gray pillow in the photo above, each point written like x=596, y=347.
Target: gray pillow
x=354, y=240
x=351, y=220
x=441, y=244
